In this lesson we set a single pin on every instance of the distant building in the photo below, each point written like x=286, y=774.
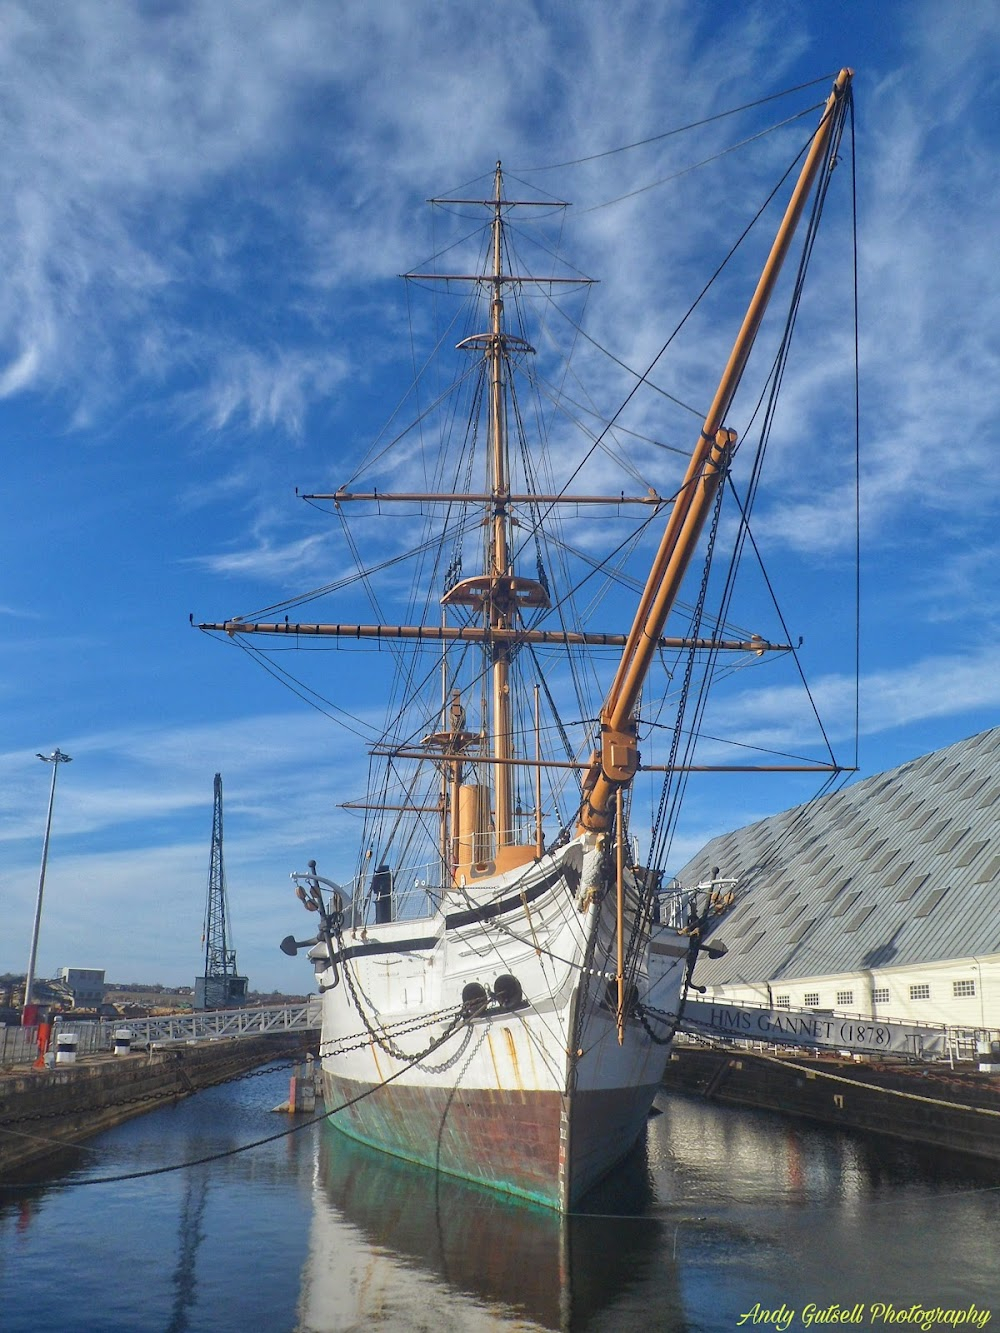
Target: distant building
x=879, y=900
x=85, y=985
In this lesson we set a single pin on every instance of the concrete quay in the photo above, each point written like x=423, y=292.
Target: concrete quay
x=928, y=1104
x=45, y=1112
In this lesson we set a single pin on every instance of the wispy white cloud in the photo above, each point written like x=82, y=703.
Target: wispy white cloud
x=964, y=577
x=948, y=685
x=128, y=868
x=268, y=561
x=119, y=129
x=267, y=391
x=202, y=209
x=119, y=146
x=943, y=685
x=126, y=774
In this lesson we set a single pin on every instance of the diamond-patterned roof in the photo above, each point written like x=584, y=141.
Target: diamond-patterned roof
x=900, y=869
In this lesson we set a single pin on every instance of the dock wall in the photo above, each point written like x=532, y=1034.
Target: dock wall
x=45, y=1111
x=930, y=1105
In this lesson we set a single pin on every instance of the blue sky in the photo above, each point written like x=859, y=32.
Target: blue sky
x=203, y=211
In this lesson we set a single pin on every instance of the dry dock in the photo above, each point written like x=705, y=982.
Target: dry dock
x=43, y=1112
x=931, y=1104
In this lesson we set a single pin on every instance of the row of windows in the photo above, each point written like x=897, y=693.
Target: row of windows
x=919, y=990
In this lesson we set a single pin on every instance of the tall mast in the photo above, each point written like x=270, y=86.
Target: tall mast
x=478, y=836
x=498, y=595
x=498, y=607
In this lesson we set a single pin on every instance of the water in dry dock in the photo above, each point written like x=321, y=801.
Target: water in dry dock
x=724, y=1213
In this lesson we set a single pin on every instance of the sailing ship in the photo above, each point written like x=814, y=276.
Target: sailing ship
x=503, y=977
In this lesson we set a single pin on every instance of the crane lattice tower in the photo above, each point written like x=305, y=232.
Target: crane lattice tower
x=221, y=986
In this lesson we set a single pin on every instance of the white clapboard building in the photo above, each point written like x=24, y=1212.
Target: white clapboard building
x=880, y=900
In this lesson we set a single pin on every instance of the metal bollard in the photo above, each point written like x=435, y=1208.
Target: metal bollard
x=66, y=1048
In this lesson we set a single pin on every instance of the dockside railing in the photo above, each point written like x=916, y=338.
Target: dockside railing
x=19, y=1045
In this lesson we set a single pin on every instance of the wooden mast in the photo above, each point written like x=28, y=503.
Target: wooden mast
x=498, y=609
x=618, y=760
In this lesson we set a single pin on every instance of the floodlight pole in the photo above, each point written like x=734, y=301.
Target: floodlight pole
x=55, y=759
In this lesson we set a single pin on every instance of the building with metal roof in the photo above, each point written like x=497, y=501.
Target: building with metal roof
x=882, y=899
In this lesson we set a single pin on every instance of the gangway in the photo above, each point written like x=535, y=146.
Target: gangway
x=300, y=1016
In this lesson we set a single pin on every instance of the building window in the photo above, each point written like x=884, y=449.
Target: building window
x=920, y=991
x=811, y=999
x=963, y=988
x=880, y=995
x=845, y=997
x=783, y=1002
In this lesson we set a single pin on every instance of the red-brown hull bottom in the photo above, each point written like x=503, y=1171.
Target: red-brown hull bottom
x=537, y=1145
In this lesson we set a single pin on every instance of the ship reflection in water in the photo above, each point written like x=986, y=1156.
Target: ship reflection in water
x=717, y=1213
x=396, y=1245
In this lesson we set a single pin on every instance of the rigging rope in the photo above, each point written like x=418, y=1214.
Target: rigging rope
x=680, y=129
x=675, y=175
x=663, y=826
x=643, y=379
x=857, y=453
x=775, y=381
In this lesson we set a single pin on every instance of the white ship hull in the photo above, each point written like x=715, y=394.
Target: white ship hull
x=538, y=1100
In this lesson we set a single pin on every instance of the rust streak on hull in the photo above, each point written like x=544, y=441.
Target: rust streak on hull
x=508, y=1140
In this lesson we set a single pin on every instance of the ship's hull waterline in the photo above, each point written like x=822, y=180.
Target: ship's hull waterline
x=538, y=1101
x=514, y=1142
